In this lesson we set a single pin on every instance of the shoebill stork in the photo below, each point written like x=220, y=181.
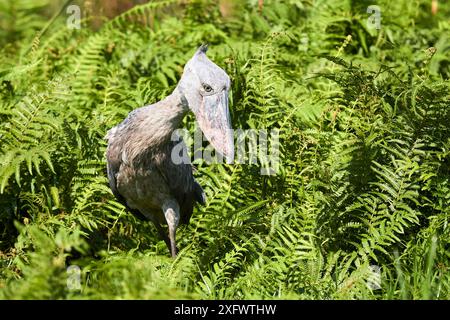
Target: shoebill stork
x=140, y=169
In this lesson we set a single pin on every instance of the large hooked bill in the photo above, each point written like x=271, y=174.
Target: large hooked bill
x=213, y=117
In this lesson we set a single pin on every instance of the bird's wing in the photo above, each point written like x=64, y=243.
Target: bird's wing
x=114, y=161
x=113, y=166
x=181, y=183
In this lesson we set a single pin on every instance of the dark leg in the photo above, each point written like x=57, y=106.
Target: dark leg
x=173, y=245
x=172, y=214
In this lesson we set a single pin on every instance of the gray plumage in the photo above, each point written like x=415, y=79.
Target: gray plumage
x=140, y=169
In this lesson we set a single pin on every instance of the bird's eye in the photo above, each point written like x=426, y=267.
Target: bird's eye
x=207, y=88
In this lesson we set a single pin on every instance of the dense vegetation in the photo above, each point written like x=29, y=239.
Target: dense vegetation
x=364, y=178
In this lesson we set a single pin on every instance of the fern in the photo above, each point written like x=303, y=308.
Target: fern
x=26, y=136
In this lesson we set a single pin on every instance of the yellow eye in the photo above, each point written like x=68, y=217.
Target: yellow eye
x=207, y=88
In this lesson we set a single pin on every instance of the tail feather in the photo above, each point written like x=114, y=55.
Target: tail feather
x=199, y=194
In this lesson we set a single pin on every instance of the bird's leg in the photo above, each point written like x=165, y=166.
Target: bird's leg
x=172, y=215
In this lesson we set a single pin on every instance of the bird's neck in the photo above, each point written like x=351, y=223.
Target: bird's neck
x=173, y=108
x=163, y=118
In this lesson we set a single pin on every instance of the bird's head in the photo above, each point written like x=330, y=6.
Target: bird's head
x=205, y=87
